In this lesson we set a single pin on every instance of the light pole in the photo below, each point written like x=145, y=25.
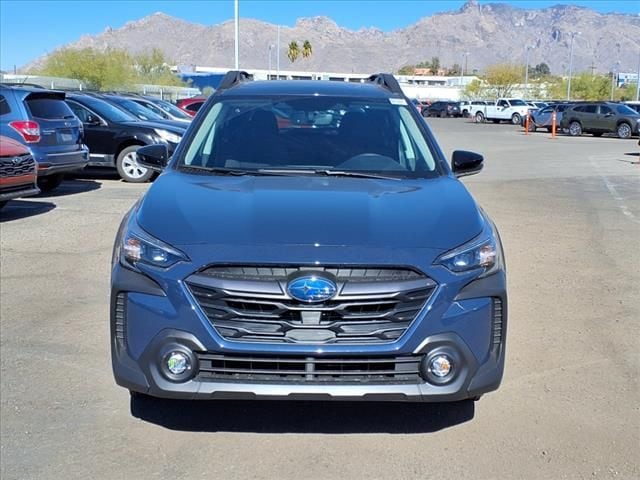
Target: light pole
x=465, y=56
x=271, y=47
x=638, y=82
x=237, y=24
x=613, y=77
x=573, y=35
x=526, y=72
x=278, y=54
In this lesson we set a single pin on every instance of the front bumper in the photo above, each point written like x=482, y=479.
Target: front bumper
x=16, y=187
x=153, y=323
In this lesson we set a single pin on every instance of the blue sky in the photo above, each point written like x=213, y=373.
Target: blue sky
x=30, y=28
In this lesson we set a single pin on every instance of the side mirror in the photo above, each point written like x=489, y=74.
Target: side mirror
x=464, y=163
x=154, y=157
x=93, y=120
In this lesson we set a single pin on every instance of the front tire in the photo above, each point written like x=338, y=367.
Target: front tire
x=575, y=129
x=624, y=130
x=50, y=182
x=516, y=119
x=128, y=167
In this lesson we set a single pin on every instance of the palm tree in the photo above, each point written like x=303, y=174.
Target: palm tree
x=307, y=50
x=294, y=51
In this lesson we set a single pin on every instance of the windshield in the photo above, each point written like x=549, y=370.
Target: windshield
x=172, y=109
x=108, y=111
x=312, y=134
x=143, y=113
x=625, y=110
x=517, y=103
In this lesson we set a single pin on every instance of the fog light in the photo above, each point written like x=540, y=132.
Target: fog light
x=441, y=366
x=178, y=363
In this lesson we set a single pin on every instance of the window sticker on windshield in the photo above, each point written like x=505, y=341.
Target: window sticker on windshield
x=397, y=101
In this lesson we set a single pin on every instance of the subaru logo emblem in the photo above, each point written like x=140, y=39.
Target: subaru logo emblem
x=311, y=289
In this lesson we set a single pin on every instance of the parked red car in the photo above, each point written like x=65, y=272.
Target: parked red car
x=18, y=171
x=191, y=105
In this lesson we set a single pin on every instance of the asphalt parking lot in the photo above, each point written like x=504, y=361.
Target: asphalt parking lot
x=569, y=407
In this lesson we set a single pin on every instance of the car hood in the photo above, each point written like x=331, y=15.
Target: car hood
x=183, y=209
x=169, y=125
x=11, y=148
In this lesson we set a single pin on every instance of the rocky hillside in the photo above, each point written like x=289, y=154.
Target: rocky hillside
x=490, y=33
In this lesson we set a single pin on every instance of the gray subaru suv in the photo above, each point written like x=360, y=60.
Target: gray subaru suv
x=598, y=118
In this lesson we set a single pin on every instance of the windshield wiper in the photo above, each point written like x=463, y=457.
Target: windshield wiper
x=326, y=172
x=214, y=170
x=230, y=171
x=343, y=173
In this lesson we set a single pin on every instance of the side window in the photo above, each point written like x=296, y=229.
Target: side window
x=503, y=103
x=194, y=107
x=154, y=109
x=590, y=108
x=79, y=111
x=605, y=110
x=579, y=108
x=4, y=106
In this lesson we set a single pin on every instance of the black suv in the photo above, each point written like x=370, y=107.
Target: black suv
x=601, y=117
x=442, y=109
x=114, y=136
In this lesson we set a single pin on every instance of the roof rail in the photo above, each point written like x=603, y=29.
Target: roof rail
x=387, y=81
x=233, y=78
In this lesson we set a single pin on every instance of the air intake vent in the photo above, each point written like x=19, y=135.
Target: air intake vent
x=496, y=329
x=300, y=370
x=121, y=318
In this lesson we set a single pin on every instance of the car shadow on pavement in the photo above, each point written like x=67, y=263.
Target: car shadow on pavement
x=632, y=162
x=71, y=187
x=17, y=209
x=264, y=416
x=96, y=172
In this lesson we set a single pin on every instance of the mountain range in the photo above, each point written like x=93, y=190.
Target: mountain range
x=488, y=33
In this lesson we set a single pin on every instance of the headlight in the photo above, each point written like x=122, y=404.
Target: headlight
x=168, y=136
x=481, y=253
x=135, y=246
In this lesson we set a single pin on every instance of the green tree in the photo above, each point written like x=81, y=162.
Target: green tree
x=110, y=69
x=154, y=68
x=456, y=69
x=307, y=49
x=434, y=66
x=103, y=70
x=407, y=70
x=294, y=51
x=500, y=79
x=585, y=86
x=474, y=90
x=541, y=70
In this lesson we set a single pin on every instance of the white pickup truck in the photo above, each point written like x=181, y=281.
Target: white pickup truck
x=511, y=109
